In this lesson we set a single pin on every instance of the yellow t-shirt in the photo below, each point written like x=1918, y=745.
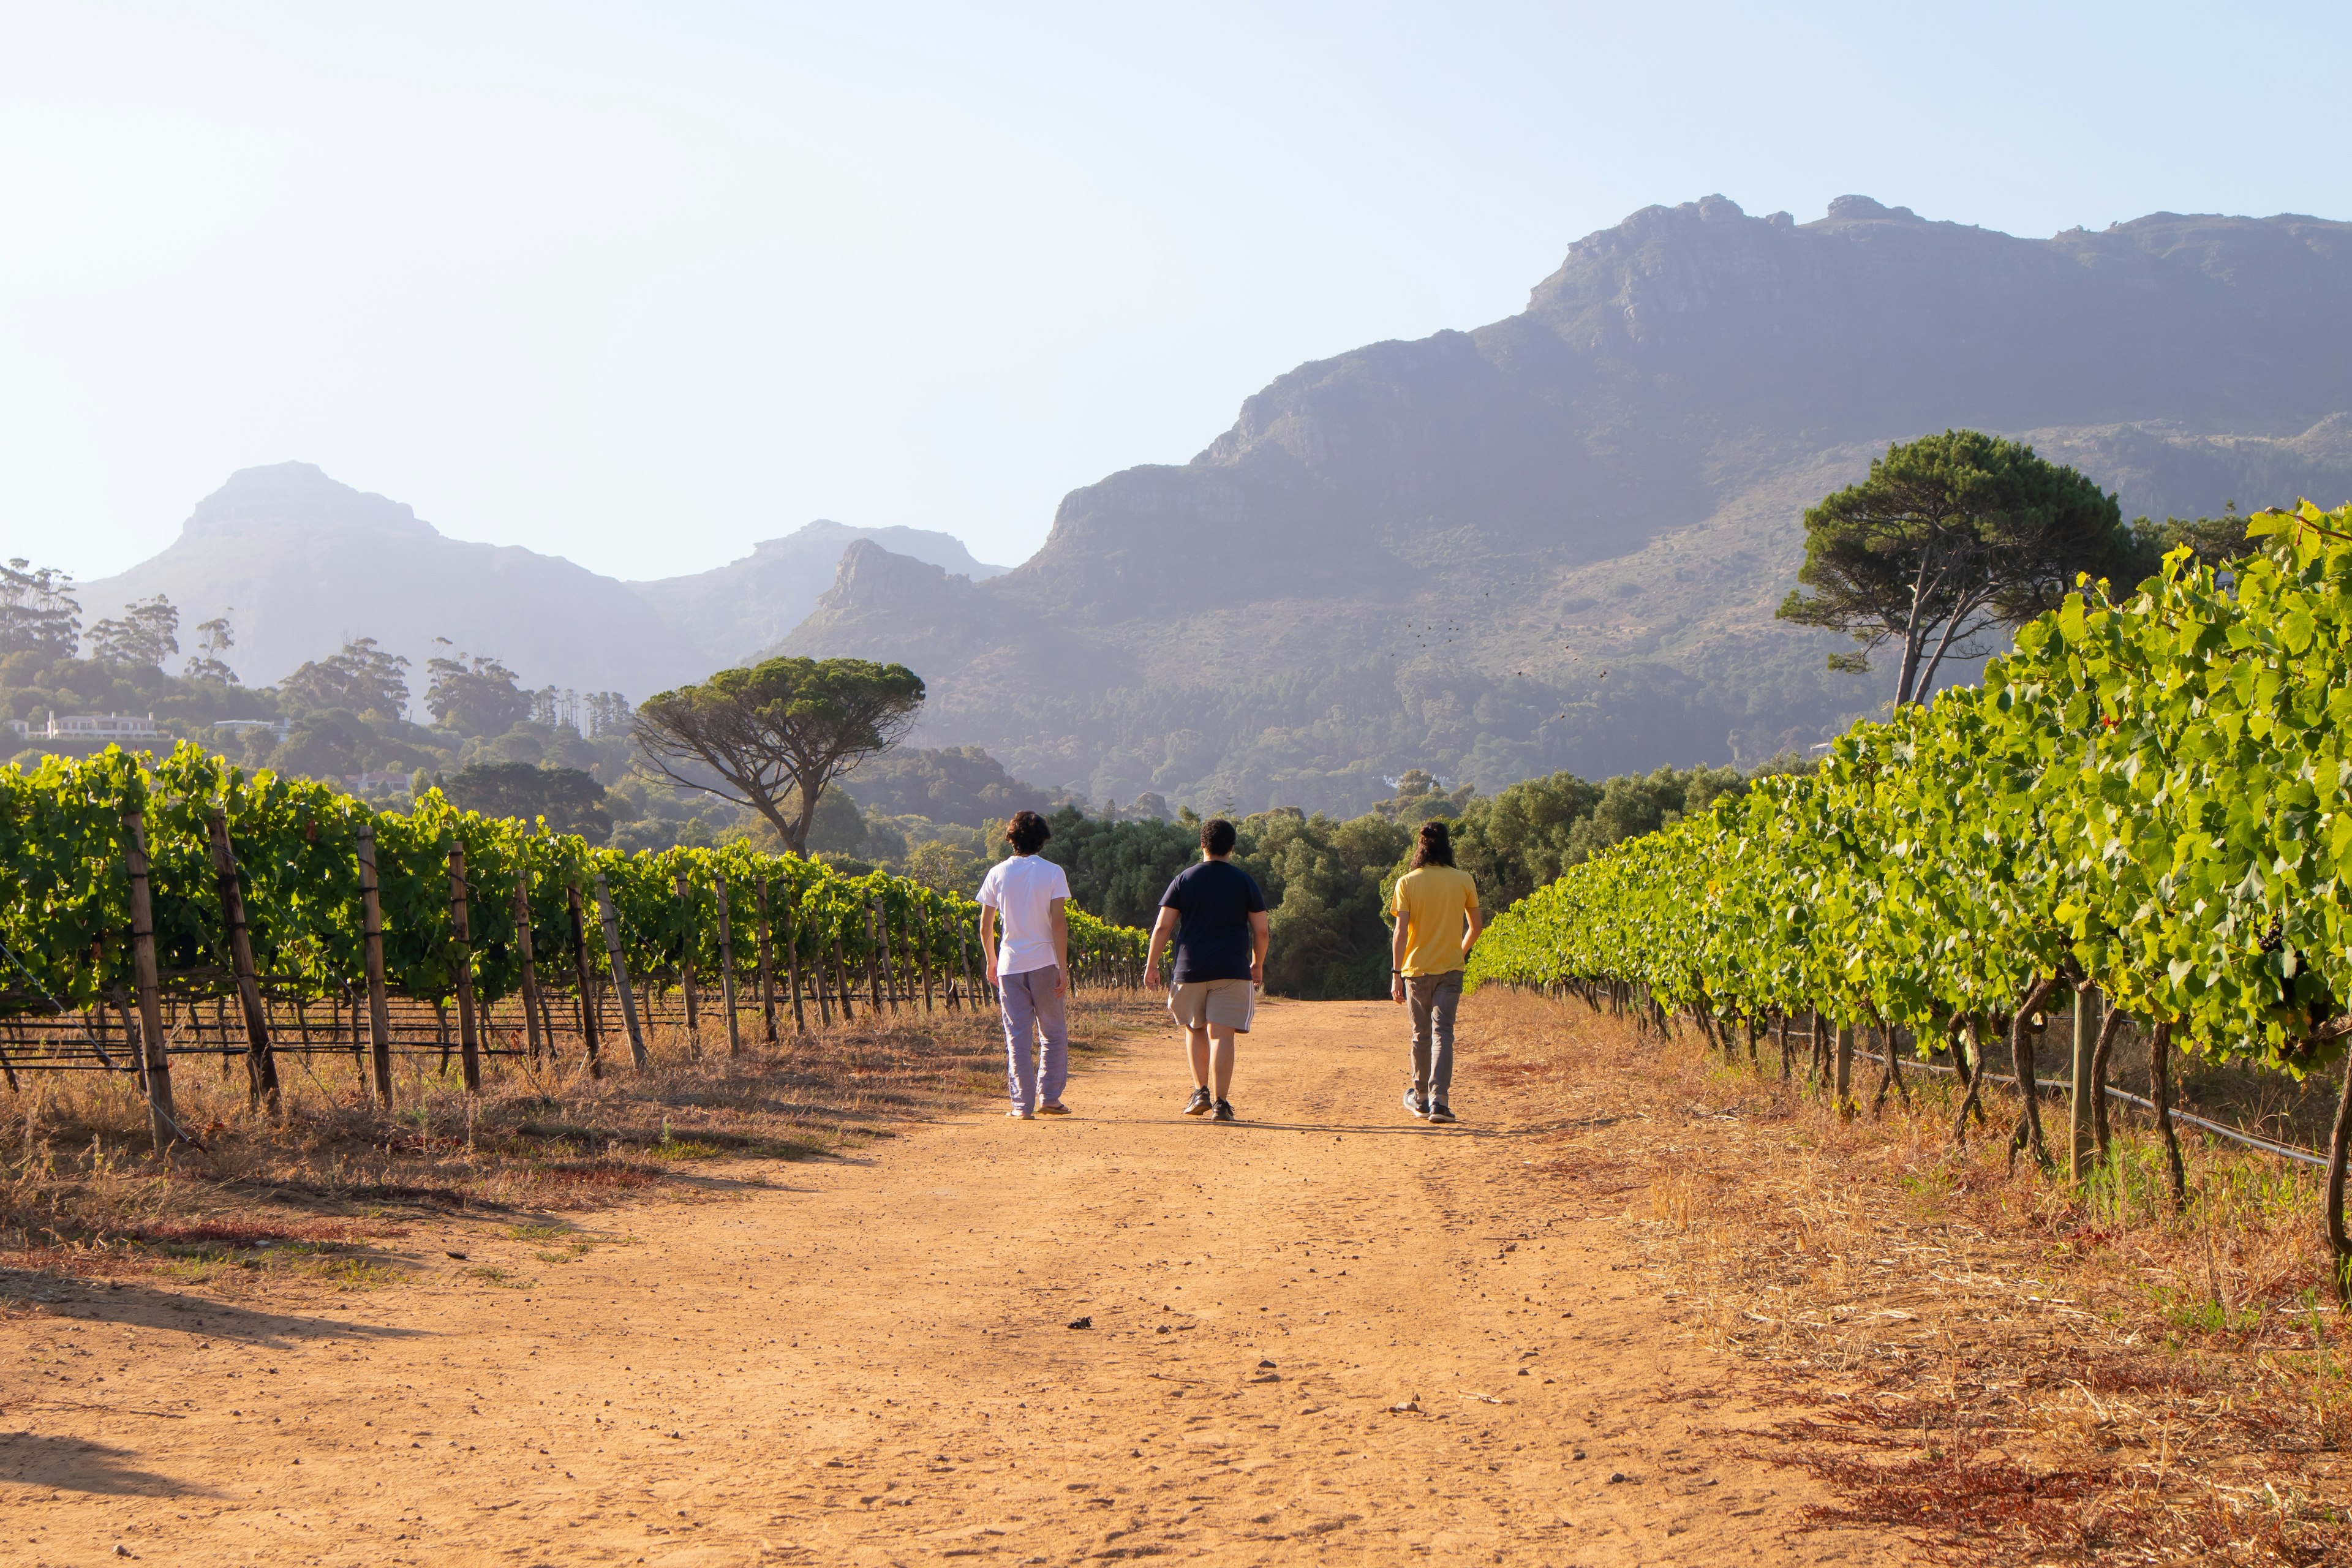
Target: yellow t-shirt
x=1434, y=903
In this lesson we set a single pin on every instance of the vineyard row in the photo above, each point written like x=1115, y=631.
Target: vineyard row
x=140, y=896
x=2147, y=806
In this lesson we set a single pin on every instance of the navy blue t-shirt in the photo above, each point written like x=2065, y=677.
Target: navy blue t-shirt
x=1214, y=899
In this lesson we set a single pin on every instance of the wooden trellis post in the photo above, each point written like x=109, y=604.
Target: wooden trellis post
x=620, y=973
x=877, y=951
x=470, y=1042
x=372, y=936
x=727, y=971
x=923, y=946
x=686, y=965
x=792, y=969
x=963, y=955
x=2082, y=1104
x=529, y=969
x=841, y=979
x=260, y=1061
x=155, y=1062
x=767, y=967
x=586, y=980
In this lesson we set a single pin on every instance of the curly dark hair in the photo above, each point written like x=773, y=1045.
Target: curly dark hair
x=1027, y=832
x=1436, y=845
x=1217, y=836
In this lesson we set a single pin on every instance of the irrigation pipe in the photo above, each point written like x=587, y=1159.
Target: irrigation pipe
x=2066, y=1086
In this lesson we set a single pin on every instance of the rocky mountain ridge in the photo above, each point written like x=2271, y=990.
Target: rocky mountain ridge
x=1427, y=553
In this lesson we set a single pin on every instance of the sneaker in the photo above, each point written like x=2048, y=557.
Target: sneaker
x=1412, y=1103
x=1224, y=1110
x=1057, y=1108
x=1018, y=1115
x=1440, y=1114
x=1200, y=1104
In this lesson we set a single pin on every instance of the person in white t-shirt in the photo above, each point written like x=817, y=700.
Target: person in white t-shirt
x=1027, y=896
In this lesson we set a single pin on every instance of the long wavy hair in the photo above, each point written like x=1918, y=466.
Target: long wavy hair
x=1436, y=845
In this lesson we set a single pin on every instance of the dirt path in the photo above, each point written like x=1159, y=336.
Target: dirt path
x=866, y=1362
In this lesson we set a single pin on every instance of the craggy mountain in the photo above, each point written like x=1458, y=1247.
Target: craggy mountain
x=305, y=562
x=735, y=609
x=1557, y=541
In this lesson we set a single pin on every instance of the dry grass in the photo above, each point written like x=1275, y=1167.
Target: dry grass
x=82, y=1193
x=2006, y=1367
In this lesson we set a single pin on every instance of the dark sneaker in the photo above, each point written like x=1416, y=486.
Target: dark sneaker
x=1200, y=1104
x=1440, y=1114
x=1224, y=1110
x=1412, y=1103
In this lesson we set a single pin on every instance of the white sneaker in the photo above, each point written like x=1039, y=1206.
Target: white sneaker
x=1019, y=1115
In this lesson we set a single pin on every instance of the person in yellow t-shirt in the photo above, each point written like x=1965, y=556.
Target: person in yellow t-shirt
x=1436, y=910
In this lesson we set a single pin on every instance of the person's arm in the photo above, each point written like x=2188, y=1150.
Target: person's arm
x=1260, y=938
x=1472, y=927
x=1399, y=942
x=1060, y=921
x=988, y=941
x=1161, y=930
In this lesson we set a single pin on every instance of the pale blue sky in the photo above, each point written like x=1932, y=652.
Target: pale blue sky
x=641, y=284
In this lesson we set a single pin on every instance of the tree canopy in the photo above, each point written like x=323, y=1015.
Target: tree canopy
x=771, y=737
x=569, y=800
x=475, y=695
x=1950, y=536
x=39, y=613
x=146, y=632
x=363, y=678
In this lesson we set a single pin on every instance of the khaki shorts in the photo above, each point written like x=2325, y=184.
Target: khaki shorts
x=1228, y=1004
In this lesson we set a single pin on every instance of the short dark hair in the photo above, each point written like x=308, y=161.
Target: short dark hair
x=1027, y=832
x=1436, y=845
x=1217, y=836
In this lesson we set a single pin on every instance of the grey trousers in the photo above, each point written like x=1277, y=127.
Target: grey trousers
x=1432, y=998
x=1030, y=1009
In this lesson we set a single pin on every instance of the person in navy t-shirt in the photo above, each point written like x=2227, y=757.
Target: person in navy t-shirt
x=1217, y=917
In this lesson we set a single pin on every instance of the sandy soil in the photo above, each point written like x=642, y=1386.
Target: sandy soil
x=1326, y=1332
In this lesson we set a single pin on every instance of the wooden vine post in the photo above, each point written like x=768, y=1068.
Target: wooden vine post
x=767, y=967
x=877, y=951
x=792, y=968
x=841, y=978
x=686, y=964
x=620, y=973
x=530, y=967
x=923, y=947
x=1841, y=1093
x=726, y=970
x=155, y=1064
x=260, y=1061
x=2082, y=1104
x=963, y=956
x=371, y=939
x=469, y=1041
x=585, y=978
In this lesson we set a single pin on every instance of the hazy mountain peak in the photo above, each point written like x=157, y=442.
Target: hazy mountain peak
x=302, y=494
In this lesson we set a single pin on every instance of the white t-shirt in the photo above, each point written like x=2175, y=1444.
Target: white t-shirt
x=1022, y=890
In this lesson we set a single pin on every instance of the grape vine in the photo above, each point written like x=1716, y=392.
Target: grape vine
x=2150, y=795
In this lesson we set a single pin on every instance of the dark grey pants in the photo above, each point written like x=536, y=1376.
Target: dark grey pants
x=1432, y=998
